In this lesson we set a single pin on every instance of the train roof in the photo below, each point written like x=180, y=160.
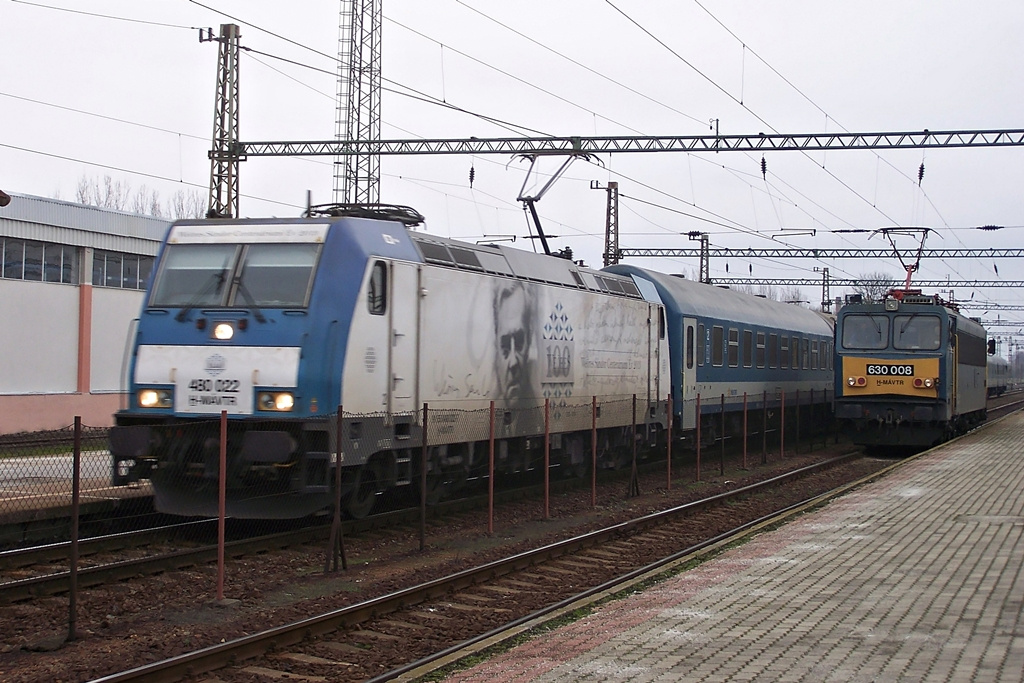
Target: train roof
x=695, y=298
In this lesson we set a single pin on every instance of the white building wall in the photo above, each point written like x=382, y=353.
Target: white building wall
x=38, y=337
x=113, y=314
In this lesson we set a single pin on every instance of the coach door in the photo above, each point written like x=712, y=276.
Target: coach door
x=403, y=357
x=688, y=380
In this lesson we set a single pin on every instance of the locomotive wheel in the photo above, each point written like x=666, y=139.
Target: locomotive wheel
x=364, y=492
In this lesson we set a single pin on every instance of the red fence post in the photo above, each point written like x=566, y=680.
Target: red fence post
x=76, y=493
x=222, y=482
x=698, y=438
x=668, y=443
x=490, y=474
x=423, y=481
x=547, y=460
x=634, y=476
x=593, y=451
x=764, y=428
x=782, y=427
x=745, y=435
x=721, y=450
x=337, y=543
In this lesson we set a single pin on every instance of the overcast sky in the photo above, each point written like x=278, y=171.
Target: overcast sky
x=91, y=88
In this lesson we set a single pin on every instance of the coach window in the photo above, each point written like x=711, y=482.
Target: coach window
x=734, y=347
x=748, y=348
x=783, y=351
x=760, y=349
x=806, y=348
x=865, y=332
x=814, y=355
x=689, y=347
x=794, y=352
x=773, y=350
x=377, y=295
x=916, y=332
x=701, y=344
x=717, y=345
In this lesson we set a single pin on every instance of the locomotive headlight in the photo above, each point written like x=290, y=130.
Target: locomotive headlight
x=156, y=398
x=282, y=401
x=928, y=382
x=852, y=381
x=223, y=331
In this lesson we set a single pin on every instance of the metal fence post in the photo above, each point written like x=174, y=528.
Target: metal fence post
x=337, y=543
x=698, y=438
x=547, y=459
x=222, y=483
x=634, y=477
x=782, y=427
x=721, y=449
x=490, y=474
x=593, y=451
x=76, y=492
x=745, y=435
x=423, y=482
x=764, y=428
x=668, y=442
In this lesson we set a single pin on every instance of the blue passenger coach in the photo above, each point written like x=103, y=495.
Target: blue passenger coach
x=723, y=342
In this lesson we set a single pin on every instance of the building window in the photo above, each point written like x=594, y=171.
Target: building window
x=122, y=271
x=38, y=261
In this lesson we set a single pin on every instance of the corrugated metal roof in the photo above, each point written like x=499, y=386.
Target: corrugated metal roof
x=59, y=222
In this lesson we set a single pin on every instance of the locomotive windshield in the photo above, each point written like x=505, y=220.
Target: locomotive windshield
x=261, y=275
x=865, y=331
x=916, y=332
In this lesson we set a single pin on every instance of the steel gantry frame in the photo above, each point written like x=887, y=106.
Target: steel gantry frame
x=638, y=144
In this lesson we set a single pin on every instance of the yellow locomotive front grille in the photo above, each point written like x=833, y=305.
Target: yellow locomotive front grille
x=876, y=376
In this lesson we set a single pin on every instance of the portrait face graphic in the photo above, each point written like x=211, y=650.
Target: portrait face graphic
x=512, y=329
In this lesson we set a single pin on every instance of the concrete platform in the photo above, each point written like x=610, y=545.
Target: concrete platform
x=916, y=577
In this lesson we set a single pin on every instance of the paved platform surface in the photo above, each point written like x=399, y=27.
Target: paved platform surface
x=916, y=577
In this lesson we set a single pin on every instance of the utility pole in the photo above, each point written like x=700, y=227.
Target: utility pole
x=611, y=222
x=705, y=254
x=826, y=297
x=357, y=177
x=225, y=154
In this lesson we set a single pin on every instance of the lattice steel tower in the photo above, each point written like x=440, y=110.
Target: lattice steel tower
x=357, y=177
x=224, y=156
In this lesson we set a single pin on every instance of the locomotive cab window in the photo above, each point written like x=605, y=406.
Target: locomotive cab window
x=260, y=275
x=865, y=332
x=916, y=332
x=377, y=290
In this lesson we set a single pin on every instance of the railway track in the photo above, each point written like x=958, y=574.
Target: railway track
x=359, y=642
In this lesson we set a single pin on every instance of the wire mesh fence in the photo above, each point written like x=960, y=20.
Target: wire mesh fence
x=278, y=470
